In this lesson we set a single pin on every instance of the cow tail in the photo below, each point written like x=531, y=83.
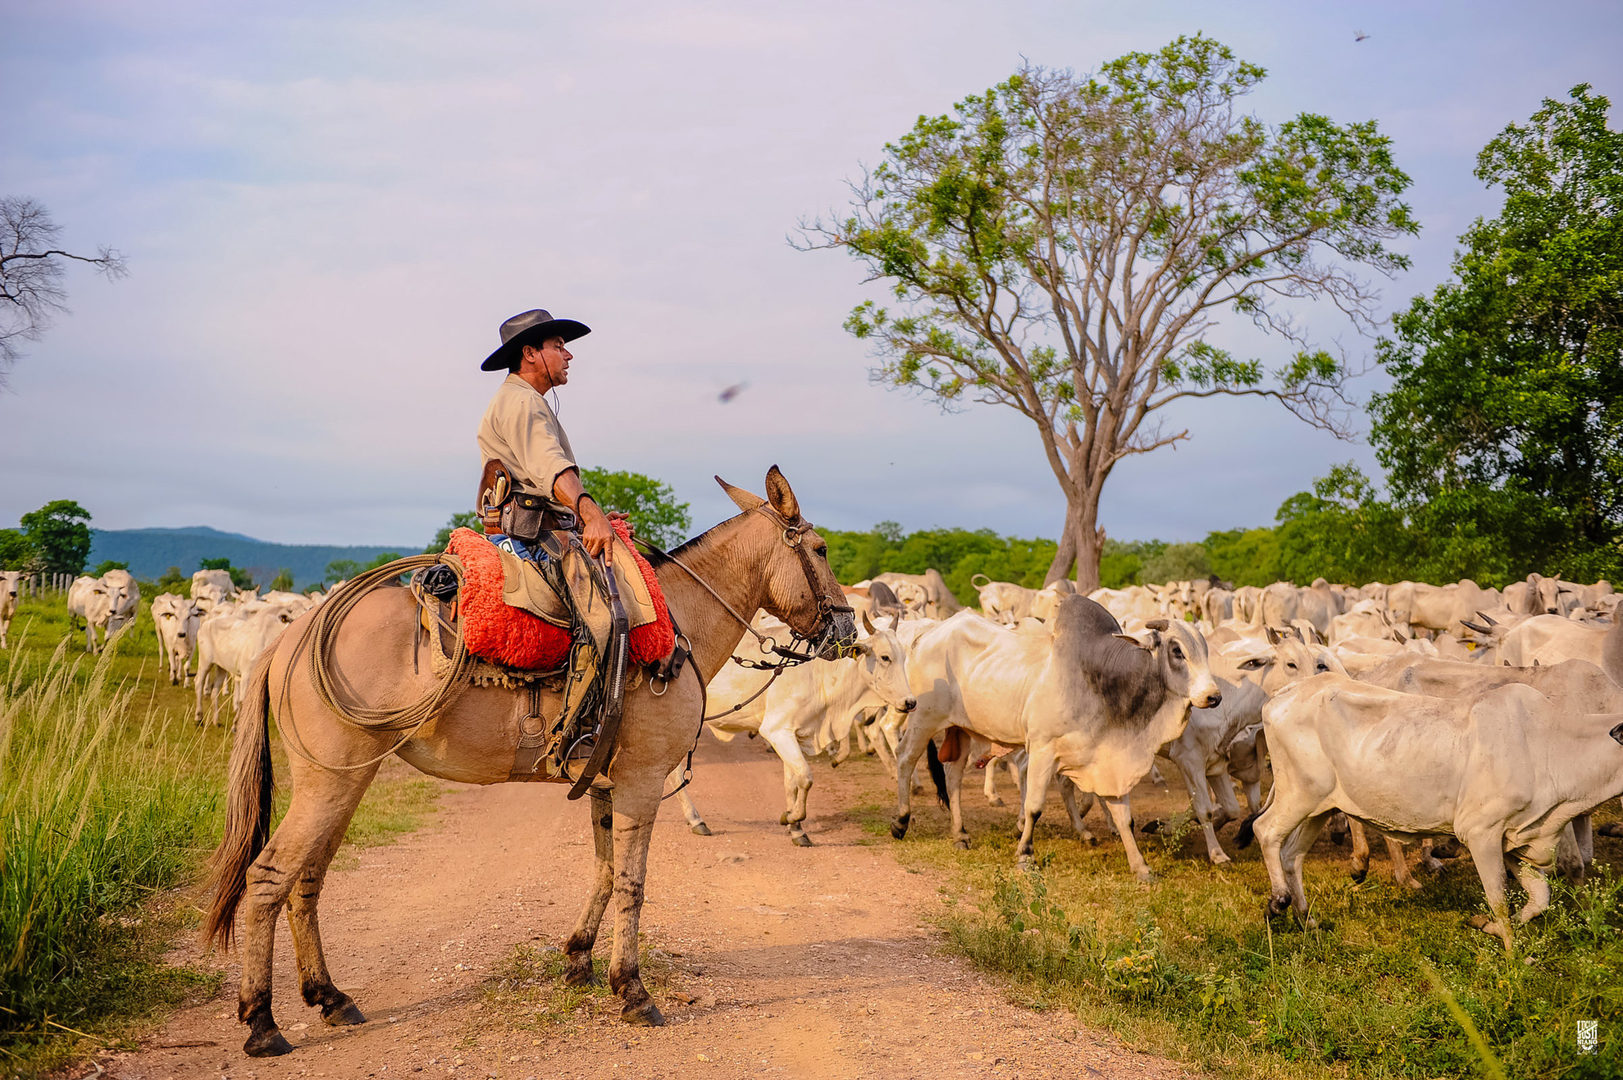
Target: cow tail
x=248, y=807
x=938, y=773
x=1247, y=831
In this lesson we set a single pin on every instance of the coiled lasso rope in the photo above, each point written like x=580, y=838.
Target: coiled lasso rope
x=321, y=635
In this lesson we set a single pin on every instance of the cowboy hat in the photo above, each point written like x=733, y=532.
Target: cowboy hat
x=530, y=328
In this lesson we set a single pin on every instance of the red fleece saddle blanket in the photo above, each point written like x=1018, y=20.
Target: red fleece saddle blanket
x=507, y=635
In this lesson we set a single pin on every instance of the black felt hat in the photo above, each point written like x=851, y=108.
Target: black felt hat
x=530, y=328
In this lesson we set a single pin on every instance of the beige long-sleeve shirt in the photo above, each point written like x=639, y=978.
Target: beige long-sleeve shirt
x=521, y=430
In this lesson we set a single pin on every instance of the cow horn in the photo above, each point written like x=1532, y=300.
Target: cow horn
x=1158, y=624
x=1474, y=626
x=867, y=623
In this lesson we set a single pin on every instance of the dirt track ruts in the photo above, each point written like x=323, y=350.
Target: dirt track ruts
x=800, y=961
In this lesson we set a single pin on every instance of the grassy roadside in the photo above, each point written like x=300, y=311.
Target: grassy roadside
x=111, y=798
x=1188, y=968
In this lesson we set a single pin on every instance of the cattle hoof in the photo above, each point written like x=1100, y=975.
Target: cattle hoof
x=267, y=1044
x=1414, y=884
x=1276, y=906
x=1358, y=876
x=1150, y=827
x=1090, y=840
x=342, y=1014
x=800, y=840
x=1611, y=828
x=898, y=827
x=645, y=1015
x=996, y=800
x=1219, y=858
x=962, y=843
x=1146, y=878
x=701, y=829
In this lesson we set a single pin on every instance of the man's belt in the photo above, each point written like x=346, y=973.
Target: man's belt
x=524, y=515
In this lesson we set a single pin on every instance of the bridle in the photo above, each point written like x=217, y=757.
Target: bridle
x=793, y=536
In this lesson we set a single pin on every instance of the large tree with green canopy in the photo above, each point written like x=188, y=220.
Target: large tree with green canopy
x=1507, y=396
x=1062, y=244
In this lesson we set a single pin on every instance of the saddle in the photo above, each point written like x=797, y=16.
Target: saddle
x=555, y=626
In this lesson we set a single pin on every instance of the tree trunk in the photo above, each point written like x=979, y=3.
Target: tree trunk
x=1065, y=557
x=1089, y=540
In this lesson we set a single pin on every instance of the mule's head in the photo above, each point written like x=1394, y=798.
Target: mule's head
x=800, y=587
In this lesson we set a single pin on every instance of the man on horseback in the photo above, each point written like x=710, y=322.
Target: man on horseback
x=521, y=431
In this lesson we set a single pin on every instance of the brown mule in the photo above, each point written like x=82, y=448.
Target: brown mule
x=766, y=557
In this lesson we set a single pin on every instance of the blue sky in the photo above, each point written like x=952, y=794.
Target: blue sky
x=327, y=216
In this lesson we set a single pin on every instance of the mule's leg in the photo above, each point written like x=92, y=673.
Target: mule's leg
x=578, y=949
x=633, y=828
x=315, y=983
x=1121, y=813
x=305, y=839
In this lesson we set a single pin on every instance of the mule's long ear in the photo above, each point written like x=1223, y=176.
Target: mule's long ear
x=741, y=498
x=781, y=495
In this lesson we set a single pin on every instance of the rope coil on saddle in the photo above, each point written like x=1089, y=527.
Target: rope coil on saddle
x=322, y=633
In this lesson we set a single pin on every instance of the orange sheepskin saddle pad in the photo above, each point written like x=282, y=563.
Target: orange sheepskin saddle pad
x=508, y=635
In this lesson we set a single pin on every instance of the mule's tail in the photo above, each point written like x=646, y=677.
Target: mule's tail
x=937, y=773
x=248, y=806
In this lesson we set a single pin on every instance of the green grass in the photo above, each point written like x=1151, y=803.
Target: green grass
x=1188, y=967
x=111, y=798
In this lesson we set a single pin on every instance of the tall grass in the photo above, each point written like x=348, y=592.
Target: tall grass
x=1392, y=983
x=111, y=798
x=101, y=804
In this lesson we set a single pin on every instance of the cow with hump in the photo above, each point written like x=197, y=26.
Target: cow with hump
x=1085, y=701
x=1504, y=770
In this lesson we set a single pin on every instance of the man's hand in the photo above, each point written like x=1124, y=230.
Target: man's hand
x=595, y=533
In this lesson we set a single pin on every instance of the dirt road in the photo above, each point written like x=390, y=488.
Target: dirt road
x=780, y=961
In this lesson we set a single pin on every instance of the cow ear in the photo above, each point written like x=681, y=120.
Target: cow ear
x=781, y=495
x=1155, y=639
x=1274, y=636
x=1158, y=624
x=741, y=498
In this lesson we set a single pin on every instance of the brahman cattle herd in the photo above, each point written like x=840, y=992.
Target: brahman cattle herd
x=1425, y=713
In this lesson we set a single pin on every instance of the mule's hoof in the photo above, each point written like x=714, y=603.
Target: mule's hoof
x=645, y=1015
x=580, y=974
x=800, y=840
x=701, y=829
x=962, y=843
x=267, y=1044
x=898, y=827
x=343, y=1015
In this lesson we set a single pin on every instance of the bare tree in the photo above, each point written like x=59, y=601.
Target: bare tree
x=1063, y=243
x=31, y=271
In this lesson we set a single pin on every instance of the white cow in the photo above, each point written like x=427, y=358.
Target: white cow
x=1008, y=603
x=1505, y=771
x=176, y=620
x=227, y=644
x=1550, y=639
x=88, y=599
x=805, y=711
x=928, y=590
x=1082, y=700
x=211, y=588
x=125, y=597
x=9, y=586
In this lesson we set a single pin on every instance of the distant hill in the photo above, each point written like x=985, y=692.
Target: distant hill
x=149, y=552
